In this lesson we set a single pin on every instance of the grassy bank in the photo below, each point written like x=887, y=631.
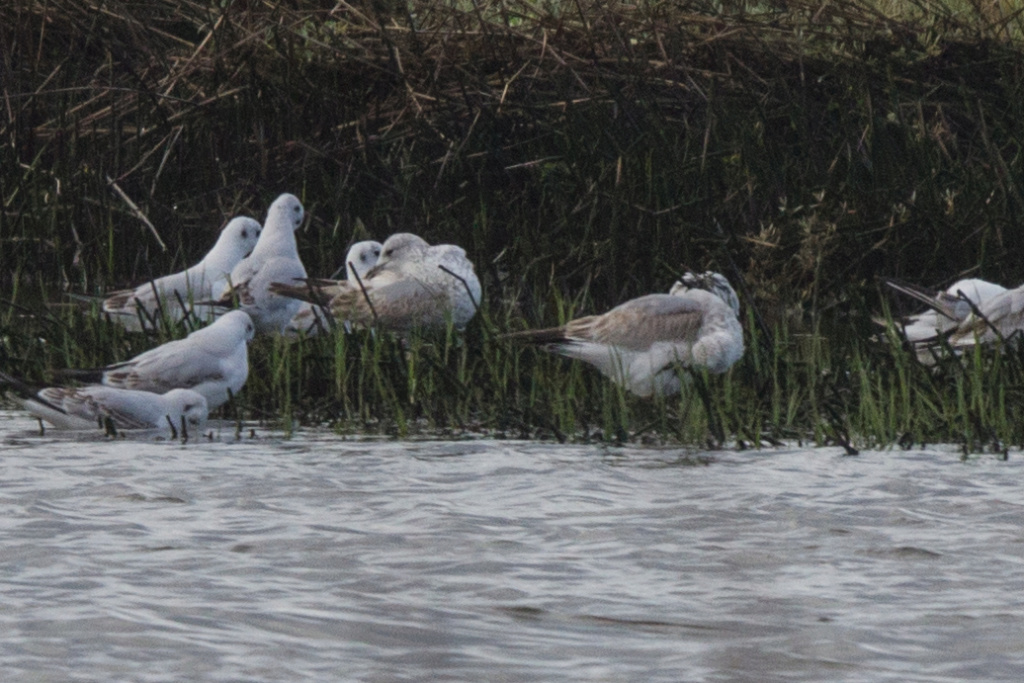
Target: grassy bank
x=582, y=154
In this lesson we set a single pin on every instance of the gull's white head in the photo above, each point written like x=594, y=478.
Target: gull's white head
x=238, y=238
x=187, y=404
x=399, y=245
x=235, y=324
x=286, y=211
x=716, y=283
x=361, y=257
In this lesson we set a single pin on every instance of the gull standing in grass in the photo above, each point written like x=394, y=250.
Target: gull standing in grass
x=639, y=343
x=947, y=310
x=213, y=361
x=413, y=286
x=141, y=308
x=310, y=320
x=275, y=258
x=106, y=407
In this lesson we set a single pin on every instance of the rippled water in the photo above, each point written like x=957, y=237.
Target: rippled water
x=318, y=558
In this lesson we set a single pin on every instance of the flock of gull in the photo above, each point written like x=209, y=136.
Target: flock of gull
x=253, y=282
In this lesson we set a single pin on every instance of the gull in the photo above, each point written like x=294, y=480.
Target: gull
x=948, y=310
x=309, y=319
x=122, y=409
x=414, y=285
x=140, y=308
x=639, y=343
x=275, y=258
x=997, y=318
x=213, y=361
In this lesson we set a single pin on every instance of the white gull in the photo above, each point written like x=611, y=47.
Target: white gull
x=275, y=258
x=413, y=286
x=213, y=361
x=639, y=343
x=95, y=406
x=947, y=310
x=999, y=317
x=141, y=308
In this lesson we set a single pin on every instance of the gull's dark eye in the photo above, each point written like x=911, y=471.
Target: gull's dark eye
x=245, y=234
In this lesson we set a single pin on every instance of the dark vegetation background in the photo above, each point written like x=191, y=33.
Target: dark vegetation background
x=582, y=153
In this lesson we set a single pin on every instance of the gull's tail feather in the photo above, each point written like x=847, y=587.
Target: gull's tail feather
x=550, y=335
x=319, y=282
x=18, y=386
x=85, y=298
x=118, y=301
x=89, y=376
x=25, y=391
x=308, y=290
x=880, y=320
x=226, y=301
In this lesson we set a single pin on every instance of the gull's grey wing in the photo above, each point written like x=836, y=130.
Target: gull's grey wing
x=401, y=305
x=180, y=364
x=639, y=323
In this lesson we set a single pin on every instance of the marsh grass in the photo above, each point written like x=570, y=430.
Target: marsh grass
x=583, y=153
x=789, y=387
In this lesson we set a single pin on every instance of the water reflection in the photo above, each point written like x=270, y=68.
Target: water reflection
x=326, y=558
